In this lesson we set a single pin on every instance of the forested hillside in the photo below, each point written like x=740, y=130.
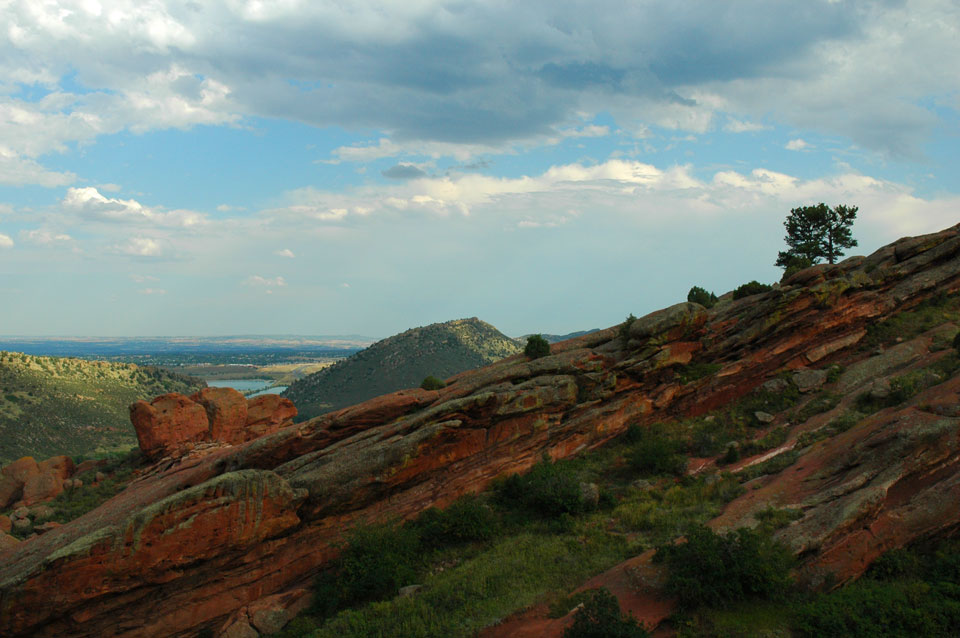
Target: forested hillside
x=54, y=405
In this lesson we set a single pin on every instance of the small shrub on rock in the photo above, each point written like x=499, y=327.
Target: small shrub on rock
x=600, y=617
x=956, y=342
x=432, y=383
x=702, y=296
x=536, y=347
x=624, y=331
x=750, y=288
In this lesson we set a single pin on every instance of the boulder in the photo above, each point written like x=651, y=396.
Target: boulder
x=226, y=412
x=268, y=413
x=807, y=379
x=7, y=542
x=22, y=525
x=10, y=491
x=41, y=487
x=763, y=417
x=5, y=524
x=13, y=477
x=776, y=386
x=62, y=467
x=169, y=425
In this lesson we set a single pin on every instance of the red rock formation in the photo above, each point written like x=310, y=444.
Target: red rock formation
x=26, y=482
x=199, y=540
x=265, y=414
x=169, y=425
x=172, y=424
x=226, y=413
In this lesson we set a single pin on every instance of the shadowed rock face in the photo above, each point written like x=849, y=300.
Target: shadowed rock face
x=206, y=538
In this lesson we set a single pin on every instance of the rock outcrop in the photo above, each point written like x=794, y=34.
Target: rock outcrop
x=173, y=424
x=200, y=540
x=26, y=482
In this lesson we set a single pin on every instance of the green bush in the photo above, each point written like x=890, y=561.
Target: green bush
x=732, y=455
x=536, y=347
x=600, y=617
x=432, y=383
x=702, y=296
x=377, y=561
x=466, y=520
x=750, y=288
x=549, y=489
x=624, y=330
x=871, y=609
x=714, y=569
x=956, y=342
x=657, y=454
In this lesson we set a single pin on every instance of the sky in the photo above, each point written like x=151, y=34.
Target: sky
x=314, y=167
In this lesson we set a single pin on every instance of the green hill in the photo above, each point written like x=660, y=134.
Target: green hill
x=54, y=405
x=401, y=361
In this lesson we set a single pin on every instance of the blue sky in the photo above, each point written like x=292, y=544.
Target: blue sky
x=249, y=167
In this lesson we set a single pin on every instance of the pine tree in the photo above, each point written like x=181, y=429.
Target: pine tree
x=815, y=233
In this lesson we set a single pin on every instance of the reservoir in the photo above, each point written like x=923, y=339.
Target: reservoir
x=253, y=386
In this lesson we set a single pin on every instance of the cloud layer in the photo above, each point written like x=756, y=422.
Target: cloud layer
x=445, y=77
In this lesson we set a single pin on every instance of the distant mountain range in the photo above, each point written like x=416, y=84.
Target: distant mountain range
x=52, y=405
x=401, y=361
x=119, y=346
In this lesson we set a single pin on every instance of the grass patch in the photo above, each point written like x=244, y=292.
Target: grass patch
x=840, y=424
x=771, y=466
x=514, y=572
x=906, y=325
x=661, y=515
x=693, y=371
x=906, y=386
x=823, y=402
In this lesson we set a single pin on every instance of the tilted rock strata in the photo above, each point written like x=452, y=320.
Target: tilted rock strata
x=400, y=453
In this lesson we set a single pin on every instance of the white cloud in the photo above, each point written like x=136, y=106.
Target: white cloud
x=140, y=247
x=143, y=278
x=591, y=130
x=5, y=241
x=45, y=237
x=797, y=145
x=734, y=125
x=507, y=75
x=90, y=203
x=16, y=170
x=286, y=252
x=152, y=291
x=265, y=282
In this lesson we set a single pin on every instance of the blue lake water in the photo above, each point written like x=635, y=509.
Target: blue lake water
x=256, y=386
